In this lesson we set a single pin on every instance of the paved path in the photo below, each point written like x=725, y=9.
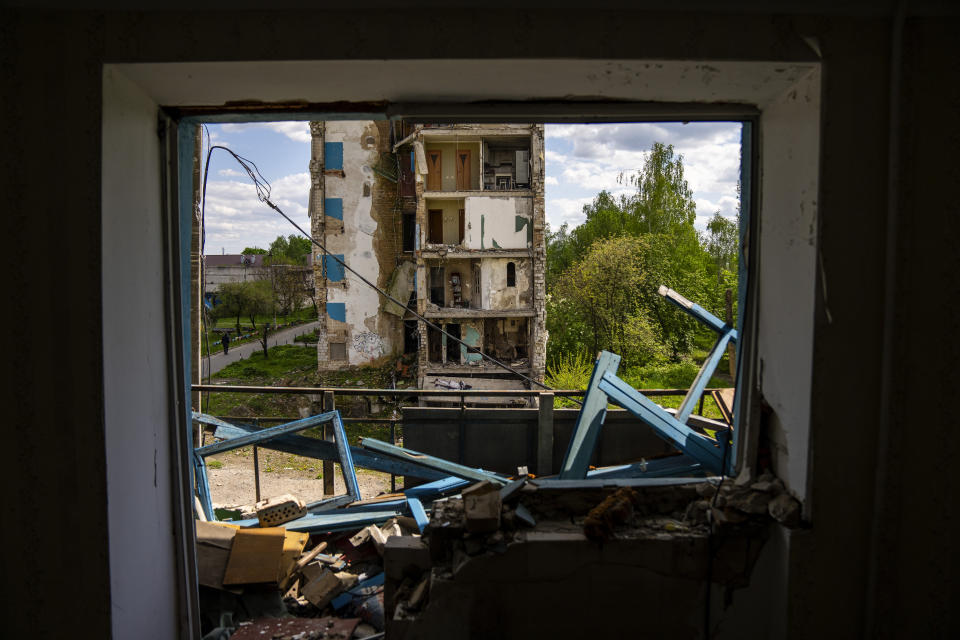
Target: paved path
x=285, y=336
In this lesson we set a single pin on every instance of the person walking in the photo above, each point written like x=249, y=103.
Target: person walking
x=225, y=342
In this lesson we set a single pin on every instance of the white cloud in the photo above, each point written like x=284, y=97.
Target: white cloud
x=296, y=131
x=235, y=218
x=230, y=173
x=565, y=210
x=595, y=157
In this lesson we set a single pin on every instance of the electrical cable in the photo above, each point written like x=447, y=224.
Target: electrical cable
x=262, y=187
x=710, y=536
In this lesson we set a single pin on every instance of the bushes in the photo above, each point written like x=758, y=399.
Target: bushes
x=573, y=372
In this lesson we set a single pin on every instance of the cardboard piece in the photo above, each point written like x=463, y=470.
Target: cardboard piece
x=255, y=557
x=214, y=542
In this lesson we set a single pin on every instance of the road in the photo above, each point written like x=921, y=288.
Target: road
x=285, y=336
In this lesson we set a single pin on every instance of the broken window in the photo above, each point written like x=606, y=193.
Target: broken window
x=511, y=274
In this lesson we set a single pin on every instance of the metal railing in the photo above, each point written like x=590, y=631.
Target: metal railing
x=326, y=397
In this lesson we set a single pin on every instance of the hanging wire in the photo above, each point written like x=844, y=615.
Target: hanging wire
x=262, y=187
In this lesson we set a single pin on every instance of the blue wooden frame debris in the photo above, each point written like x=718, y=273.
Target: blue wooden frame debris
x=430, y=462
x=726, y=334
x=681, y=465
x=702, y=453
x=340, y=441
x=320, y=449
x=418, y=512
x=586, y=432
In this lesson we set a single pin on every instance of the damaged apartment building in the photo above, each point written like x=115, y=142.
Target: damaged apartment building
x=450, y=220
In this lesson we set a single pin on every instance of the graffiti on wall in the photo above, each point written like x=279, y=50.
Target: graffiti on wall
x=369, y=343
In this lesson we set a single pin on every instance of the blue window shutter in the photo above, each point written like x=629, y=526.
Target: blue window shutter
x=333, y=155
x=337, y=311
x=333, y=268
x=333, y=207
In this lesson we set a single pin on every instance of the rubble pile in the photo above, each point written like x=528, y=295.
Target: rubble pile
x=253, y=579
x=486, y=520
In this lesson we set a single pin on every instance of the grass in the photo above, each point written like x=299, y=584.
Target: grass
x=573, y=372
x=283, y=360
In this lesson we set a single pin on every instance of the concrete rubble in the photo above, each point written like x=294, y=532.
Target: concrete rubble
x=336, y=579
x=430, y=581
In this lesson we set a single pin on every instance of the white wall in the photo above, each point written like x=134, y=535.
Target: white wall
x=136, y=401
x=493, y=218
x=356, y=242
x=788, y=241
x=495, y=292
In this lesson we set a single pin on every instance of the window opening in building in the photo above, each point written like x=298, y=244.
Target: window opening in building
x=453, y=347
x=436, y=226
x=437, y=288
x=409, y=231
x=594, y=291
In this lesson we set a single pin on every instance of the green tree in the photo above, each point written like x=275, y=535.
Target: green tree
x=722, y=239
x=253, y=251
x=600, y=295
x=260, y=299
x=238, y=299
x=293, y=249
x=662, y=212
x=663, y=202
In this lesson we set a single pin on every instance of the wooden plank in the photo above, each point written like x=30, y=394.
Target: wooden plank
x=346, y=460
x=339, y=520
x=694, y=310
x=589, y=421
x=418, y=513
x=430, y=462
x=264, y=434
x=293, y=545
x=321, y=450
x=704, y=375
x=672, y=466
x=724, y=399
x=329, y=484
x=707, y=452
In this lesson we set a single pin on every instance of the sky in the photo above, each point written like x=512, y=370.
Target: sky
x=581, y=160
